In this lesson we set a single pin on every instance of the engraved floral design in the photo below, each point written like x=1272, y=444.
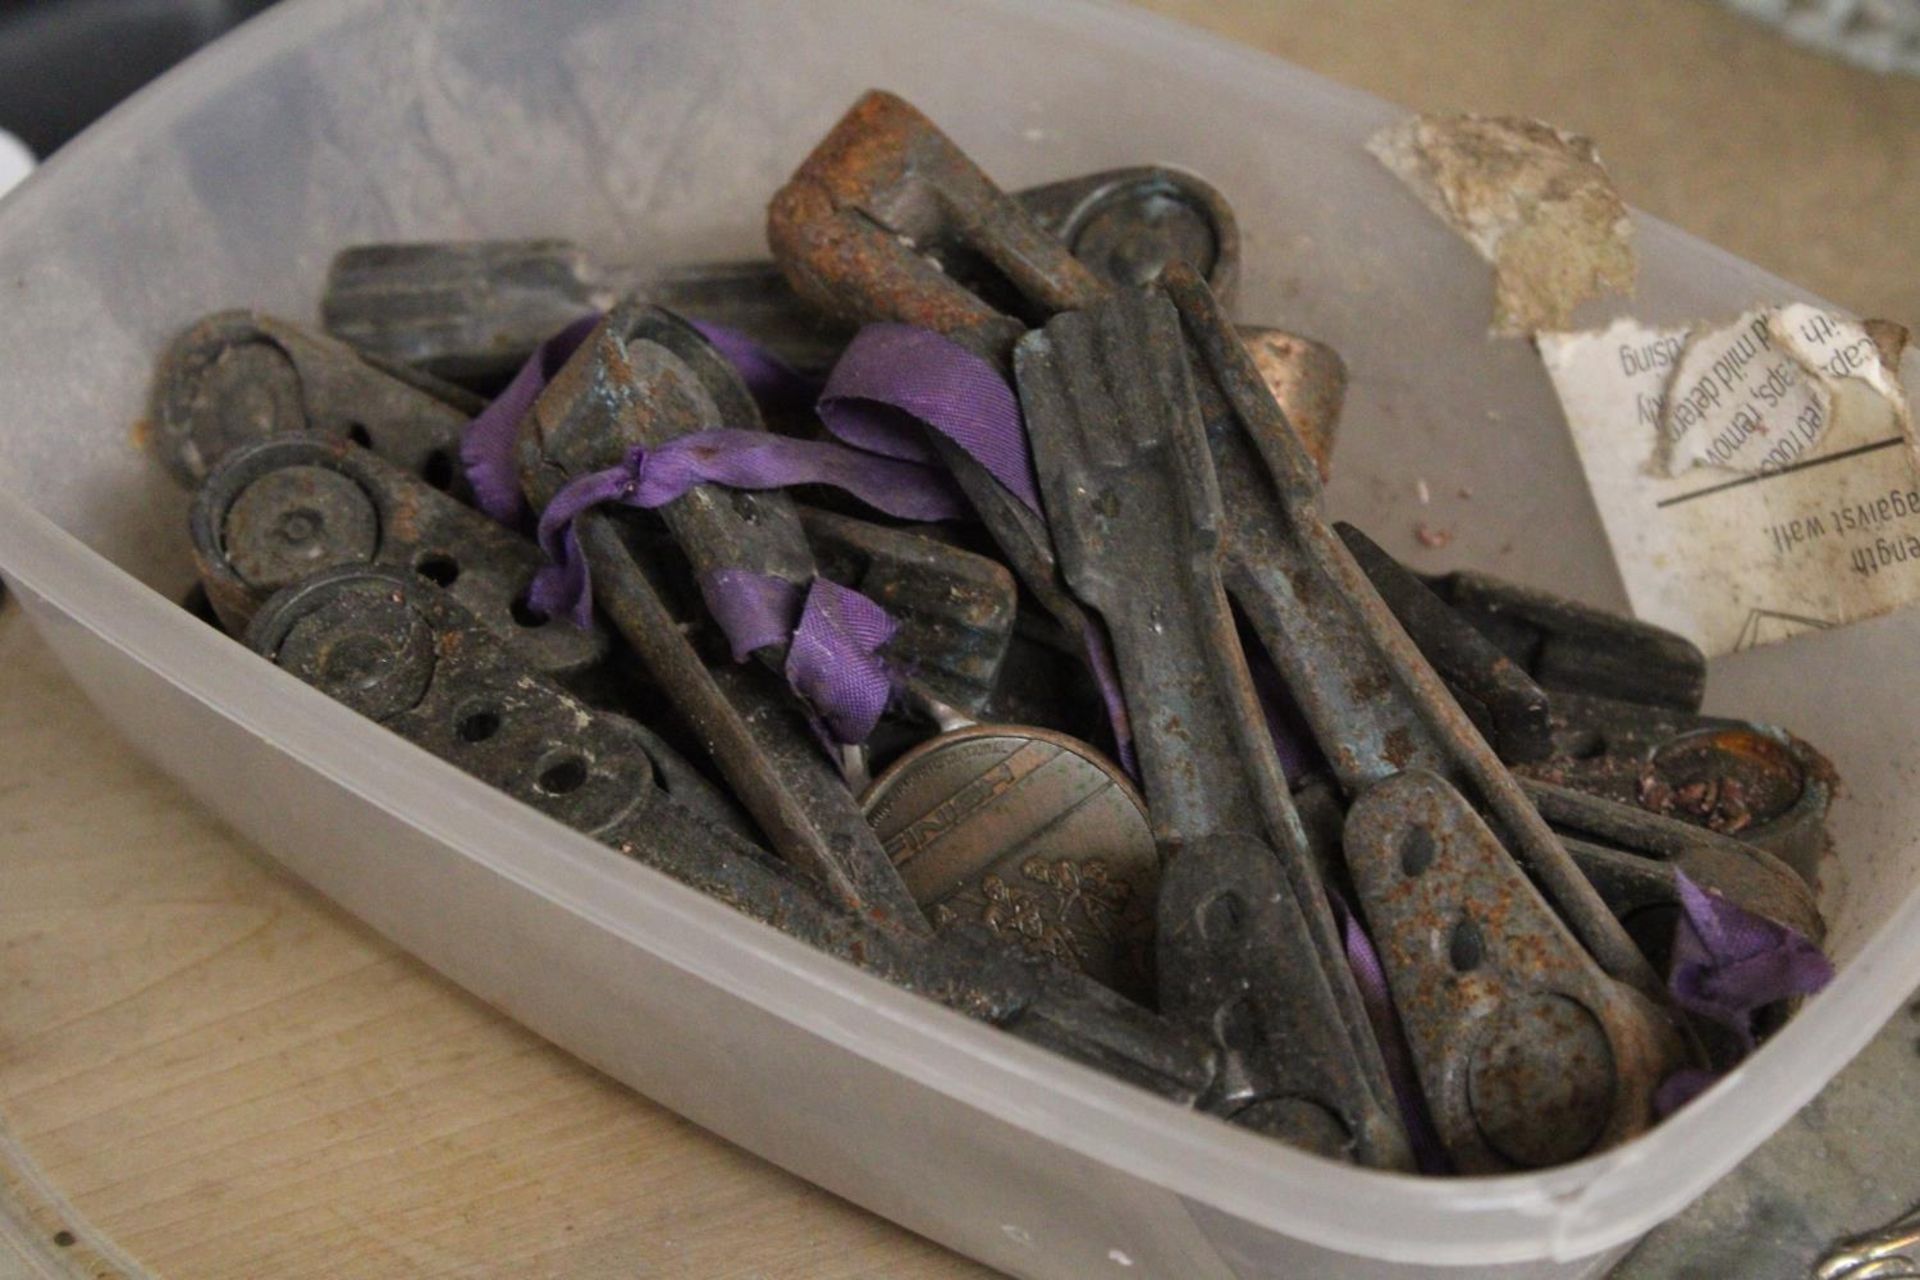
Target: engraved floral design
x=1058, y=907
x=1086, y=887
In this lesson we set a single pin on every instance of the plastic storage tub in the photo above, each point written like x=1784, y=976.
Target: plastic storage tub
x=659, y=129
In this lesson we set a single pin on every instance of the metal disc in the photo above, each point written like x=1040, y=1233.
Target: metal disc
x=1031, y=833
x=295, y=521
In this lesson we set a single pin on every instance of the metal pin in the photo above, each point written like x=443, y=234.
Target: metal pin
x=402, y=652
x=281, y=510
x=239, y=376
x=1123, y=466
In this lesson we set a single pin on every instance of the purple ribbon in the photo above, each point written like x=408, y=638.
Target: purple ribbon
x=1728, y=965
x=487, y=447
x=833, y=636
x=891, y=381
x=649, y=478
x=892, y=376
x=754, y=610
x=895, y=378
x=772, y=381
x=834, y=661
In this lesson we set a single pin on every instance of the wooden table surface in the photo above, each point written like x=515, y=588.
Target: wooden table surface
x=206, y=1070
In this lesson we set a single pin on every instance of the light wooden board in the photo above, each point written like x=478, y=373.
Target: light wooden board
x=207, y=1071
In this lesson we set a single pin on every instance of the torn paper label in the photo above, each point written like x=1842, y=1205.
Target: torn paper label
x=1762, y=393
x=1534, y=200
x=1755, y=478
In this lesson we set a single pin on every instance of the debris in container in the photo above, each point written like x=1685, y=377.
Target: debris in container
x=954, y=593
x=1535, y=201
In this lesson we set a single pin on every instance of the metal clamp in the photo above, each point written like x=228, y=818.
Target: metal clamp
x=404, y=653
x=278, y=511
x=1123, y=465
x=239, y=376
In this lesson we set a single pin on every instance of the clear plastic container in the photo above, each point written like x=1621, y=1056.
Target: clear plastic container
x=658, y=130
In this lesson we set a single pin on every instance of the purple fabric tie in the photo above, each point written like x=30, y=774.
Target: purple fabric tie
x=773, y=382
x=754, y=610
x=650, y=478
x=834, y=662
x=487, y=447
x=834, y=637
x=892, y=376
x=1728, y=965
x=894, y=379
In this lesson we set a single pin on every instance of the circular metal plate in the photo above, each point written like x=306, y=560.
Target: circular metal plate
x=1031, y=833
x=295, y=521
x=362, y=644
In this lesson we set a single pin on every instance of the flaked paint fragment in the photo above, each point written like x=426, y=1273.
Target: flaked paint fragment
x=1534, y=200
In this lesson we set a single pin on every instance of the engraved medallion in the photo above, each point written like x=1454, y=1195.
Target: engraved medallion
x=1031, y=833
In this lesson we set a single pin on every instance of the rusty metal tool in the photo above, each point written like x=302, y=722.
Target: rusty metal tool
x=626, y=386
x=472, y=311
x=1528, y=1054
x=956, y=609
x=405, y=654
x=280, y=510
x=1755, y=782
x=1124, y=469
x=1632, y=855
x=239, y=376
x=1508, y=708
x=1375, y=704
x=1574, y=648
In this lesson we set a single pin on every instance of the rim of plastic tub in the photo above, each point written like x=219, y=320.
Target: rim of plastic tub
x=1561, y=1214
